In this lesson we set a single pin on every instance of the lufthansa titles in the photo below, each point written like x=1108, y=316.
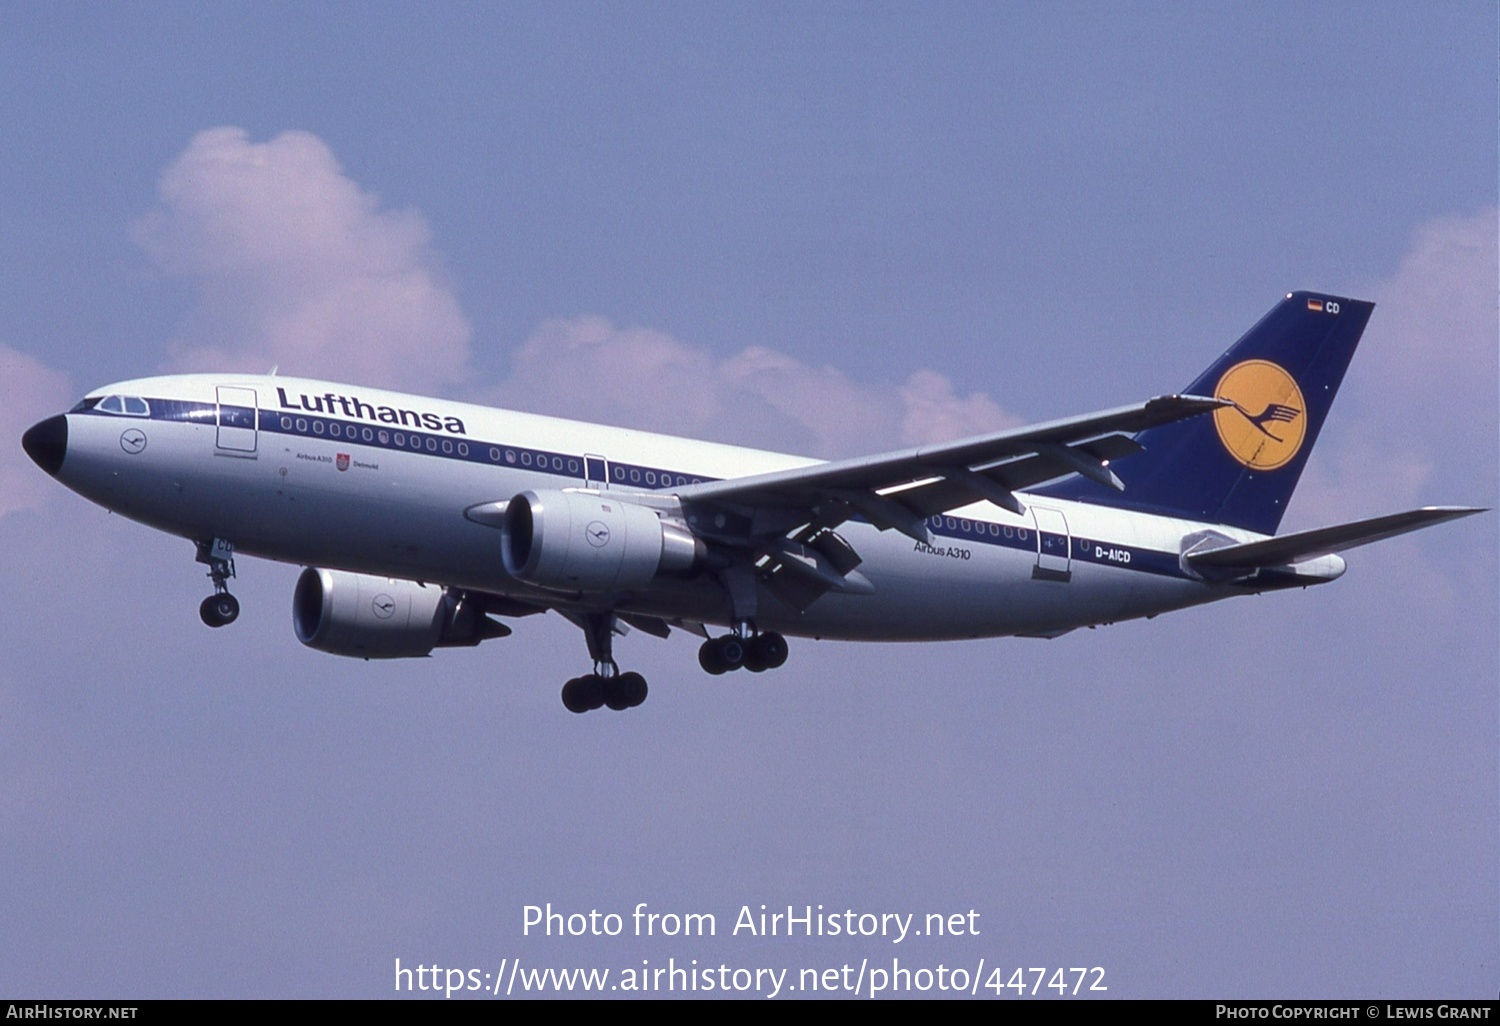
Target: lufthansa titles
x=332, y=404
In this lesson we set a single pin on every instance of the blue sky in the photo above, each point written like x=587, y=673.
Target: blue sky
x=829, y=230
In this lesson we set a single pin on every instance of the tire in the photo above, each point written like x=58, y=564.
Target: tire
x=708, y=657
x=732, y=652
x=591, y=690
x=615, y=695
x=219, y=610
x=635, y=689
x=769, y=650
x=573, y=698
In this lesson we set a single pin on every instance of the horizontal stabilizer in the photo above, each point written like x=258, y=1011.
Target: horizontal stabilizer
x=1304, y=545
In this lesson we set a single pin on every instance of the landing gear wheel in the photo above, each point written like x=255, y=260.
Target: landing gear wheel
x=572, y=700
x=767, y=651
x=614, y=694
x=732, y=651
x=582, y=694
x=708, y=657
x=219, y=610
x=589, y=692
x=634, y=687
x=720, y=655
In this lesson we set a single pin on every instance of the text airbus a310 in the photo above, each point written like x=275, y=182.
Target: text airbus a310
x=424, y=523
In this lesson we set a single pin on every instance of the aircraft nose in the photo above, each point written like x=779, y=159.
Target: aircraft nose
x=46, y=442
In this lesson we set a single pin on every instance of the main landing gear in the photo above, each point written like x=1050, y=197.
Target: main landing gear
x=746, y=647
x=220, y=608
x=612, y=688
x=606, y=685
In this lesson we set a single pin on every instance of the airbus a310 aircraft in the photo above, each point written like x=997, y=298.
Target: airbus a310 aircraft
x=422, y=521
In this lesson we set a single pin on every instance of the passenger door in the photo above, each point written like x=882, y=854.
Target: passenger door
x=237, y=420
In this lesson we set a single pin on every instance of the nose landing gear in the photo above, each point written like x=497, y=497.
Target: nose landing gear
x=220, y=608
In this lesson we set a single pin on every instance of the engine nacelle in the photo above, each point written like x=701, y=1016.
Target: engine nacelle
x=368, y=617
x=586, y=542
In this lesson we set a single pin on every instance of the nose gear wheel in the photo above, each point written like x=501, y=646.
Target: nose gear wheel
x=220, y=608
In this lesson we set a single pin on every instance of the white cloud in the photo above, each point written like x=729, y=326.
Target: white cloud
x=934, y=414
x=1418, y=411
x=586, y=367
x=29, y=391
x=1434, y=333
x=1416, y=422
x=296, y=265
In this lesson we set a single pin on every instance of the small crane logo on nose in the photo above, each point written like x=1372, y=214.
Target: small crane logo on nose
x=133, y=441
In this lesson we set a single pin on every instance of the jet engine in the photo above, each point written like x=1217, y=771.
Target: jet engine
x=586, y=542
x=368, y=617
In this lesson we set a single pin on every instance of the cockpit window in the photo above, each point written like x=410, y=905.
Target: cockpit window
x=126, y=405
x=85, y=404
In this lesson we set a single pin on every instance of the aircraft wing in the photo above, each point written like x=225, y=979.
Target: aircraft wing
x=1303, y=545
x=899, y=490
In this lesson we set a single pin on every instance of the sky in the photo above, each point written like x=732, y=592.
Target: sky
x=826, y=229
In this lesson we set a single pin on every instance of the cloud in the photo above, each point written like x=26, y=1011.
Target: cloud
x=933, y=413
x=296, y=265
x=1436, y=328
x=588, y=368
x=1417, y=417
x=29, y=391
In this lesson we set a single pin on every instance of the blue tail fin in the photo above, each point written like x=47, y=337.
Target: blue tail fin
x=1240, y=464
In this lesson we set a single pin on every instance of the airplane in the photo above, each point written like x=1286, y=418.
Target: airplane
x=424, y=523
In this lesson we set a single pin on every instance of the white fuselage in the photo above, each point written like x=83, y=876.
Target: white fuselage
x=374, y=482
